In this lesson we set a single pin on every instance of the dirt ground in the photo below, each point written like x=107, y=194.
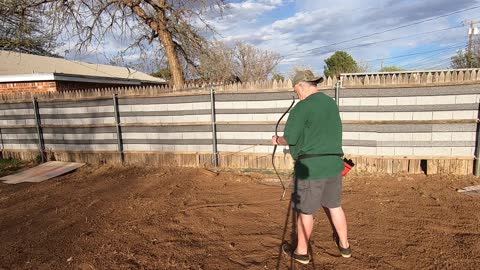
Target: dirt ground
x=114, y=217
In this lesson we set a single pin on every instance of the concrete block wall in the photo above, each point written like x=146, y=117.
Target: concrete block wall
x=418, y=122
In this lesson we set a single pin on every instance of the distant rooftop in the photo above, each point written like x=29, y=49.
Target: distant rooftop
x=16, y=67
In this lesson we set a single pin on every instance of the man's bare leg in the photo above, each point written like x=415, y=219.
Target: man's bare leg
x=340, y=222
x=304, y=231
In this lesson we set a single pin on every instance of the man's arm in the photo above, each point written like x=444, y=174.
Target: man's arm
x=279, y=140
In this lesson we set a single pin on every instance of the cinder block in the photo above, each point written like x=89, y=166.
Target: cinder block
x=201, y=106
x=369, y=101
x=136, y=147
x=350, y=101
x=105, y=147
x=435, y=100
x=55, y=147
x=385, y=151
x=422, y=137
x=148, y=108
x=273, y=117
x=227, y=118
x=128, y=120
x=442, y=151
x=30, y=122
x=351, y=135
x=464, y=115
x=179, y=106
x=403, y=151
x=387, y=101
x=463, y=136
x=463, y=151
x=228, y=148
x=368, y=136
x=261, y=135
x=192, y=135
x=204, y=118
x=442, y=136
x=422, y=151
x=423, y=116
x=105, y=109
x=125, y=108
x=350, y=115
x=263, y=149
x=41, y=110
x=406, y=100
x=386, y=137
x=403, y=116
x=223, y=105
x=379, y=116
x=465, y=99
x=245, y=117
x=442, y=115
x=261, y=104
x=369, y=151
x=403, y=137
x=283, y=103
x=157, y=147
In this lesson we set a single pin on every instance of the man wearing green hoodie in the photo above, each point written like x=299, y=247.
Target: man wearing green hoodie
x=314, y=135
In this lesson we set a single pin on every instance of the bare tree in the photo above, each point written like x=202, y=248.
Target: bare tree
x=254, y=64
x=175, y=24
x=217, y=63
x=242, y=62
x=22, y=30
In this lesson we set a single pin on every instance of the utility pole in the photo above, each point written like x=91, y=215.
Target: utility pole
x=472, y=30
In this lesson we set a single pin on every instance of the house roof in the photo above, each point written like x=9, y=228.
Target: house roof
x=16, y=67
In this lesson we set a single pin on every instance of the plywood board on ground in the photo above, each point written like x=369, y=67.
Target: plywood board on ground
x=42, y=172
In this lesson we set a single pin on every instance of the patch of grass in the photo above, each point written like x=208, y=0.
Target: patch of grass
x=8, y=166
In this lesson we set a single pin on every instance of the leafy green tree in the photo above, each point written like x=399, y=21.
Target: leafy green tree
x=163, y=73
x=390, y=69
x=465, y=60
x=340, y=62
x=278, y=77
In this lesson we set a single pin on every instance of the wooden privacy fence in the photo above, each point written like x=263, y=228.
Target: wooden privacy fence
x=428, y=125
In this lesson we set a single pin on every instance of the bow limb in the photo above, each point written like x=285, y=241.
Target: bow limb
x=275, y=148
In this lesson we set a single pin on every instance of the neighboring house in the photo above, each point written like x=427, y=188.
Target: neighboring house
x=20, y=72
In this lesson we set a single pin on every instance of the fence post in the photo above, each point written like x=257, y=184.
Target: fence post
x=476, y=170
x=214, y=128
x=119, y=128
x=338, y=85
x=41, y=144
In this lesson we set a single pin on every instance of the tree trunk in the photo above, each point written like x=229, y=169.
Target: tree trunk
x=173, y=62
x=165, y=36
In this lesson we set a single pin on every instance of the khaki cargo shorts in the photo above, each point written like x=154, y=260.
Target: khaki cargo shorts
x=310, y=195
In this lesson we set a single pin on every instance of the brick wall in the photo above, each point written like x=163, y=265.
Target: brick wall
x=32, y=87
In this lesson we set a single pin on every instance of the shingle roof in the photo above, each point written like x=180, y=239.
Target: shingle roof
x=12, y=63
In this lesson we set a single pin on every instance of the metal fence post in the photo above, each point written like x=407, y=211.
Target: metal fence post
x=338, y=85
x=476, y=170
x=119, y=128
x=41, y=144
x=214, y=128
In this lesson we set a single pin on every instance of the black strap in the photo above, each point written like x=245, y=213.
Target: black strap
x=317, y=155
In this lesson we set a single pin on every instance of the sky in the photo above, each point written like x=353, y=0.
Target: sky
x=412, y=34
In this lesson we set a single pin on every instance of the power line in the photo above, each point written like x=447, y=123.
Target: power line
x=424, y=61
x=388, y=40
x=388, y=30
x=413, y=54
x=436, y=62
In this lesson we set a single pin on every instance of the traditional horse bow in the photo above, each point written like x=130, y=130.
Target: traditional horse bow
x=275, y=147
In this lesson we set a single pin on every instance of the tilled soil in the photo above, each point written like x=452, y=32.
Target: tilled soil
x=114, y=217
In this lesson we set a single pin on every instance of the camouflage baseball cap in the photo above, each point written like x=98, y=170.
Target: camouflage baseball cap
x=305, y=76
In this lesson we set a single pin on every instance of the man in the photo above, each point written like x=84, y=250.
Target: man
x=314, y=135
